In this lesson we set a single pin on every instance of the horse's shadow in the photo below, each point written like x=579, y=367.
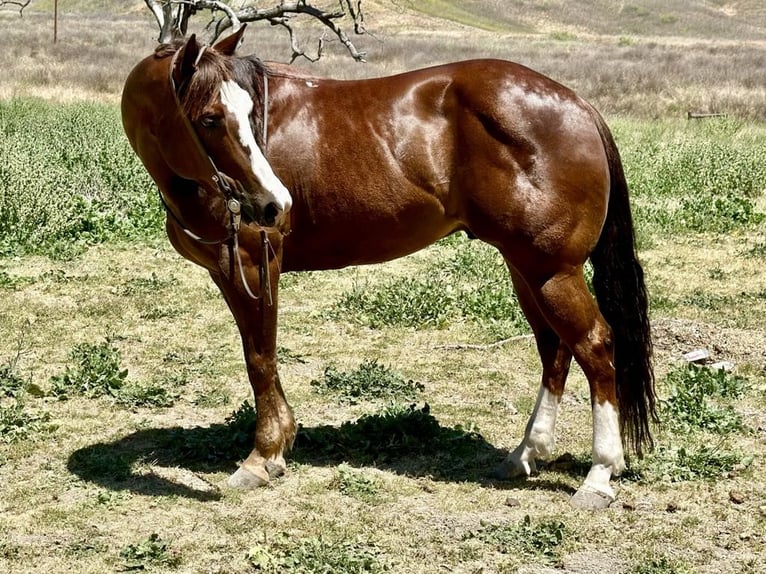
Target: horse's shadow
x=410, y=442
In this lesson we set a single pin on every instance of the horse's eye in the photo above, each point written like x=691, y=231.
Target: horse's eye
x=210, y=121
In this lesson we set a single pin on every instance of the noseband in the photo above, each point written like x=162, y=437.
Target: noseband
x=217, y=181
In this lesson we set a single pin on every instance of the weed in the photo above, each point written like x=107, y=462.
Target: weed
x=11, y=383
x=12, y=283
x=702, y=178
x=287, y=357
x=86, y=547
x=147, y=285
x=540, y=540
x=757, y=251
x=9, y=551
x=94, y=371
x=316, y=555
x=134, y=395
x=18, y=423
x=153, y=551
x=70, y=179
x=661, y=565
x=472, y=284
x=212, y=398
x=351, y=482
x=690, y=405
x=681, y=465
x=370, y=380
x=563, y=36
x=404, y=437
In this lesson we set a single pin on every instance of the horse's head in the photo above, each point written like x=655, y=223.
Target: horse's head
x=222, y=117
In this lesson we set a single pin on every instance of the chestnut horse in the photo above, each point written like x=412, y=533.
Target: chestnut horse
x=264, y=169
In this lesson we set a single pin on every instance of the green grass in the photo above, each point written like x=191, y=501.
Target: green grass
x=693, y=177
x=69, y=179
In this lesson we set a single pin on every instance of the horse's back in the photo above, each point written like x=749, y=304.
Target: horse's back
x=484, y=145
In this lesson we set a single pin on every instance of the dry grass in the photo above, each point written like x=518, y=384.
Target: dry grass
x=88, y=494
x=69, y=506
x=622, y=70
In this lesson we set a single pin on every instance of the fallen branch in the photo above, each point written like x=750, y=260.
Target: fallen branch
x=463, y=346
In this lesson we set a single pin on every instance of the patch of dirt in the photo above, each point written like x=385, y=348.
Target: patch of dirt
x=674, y=337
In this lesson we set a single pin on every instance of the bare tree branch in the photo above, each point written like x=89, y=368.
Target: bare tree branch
x=173, y=15
x=20, y=4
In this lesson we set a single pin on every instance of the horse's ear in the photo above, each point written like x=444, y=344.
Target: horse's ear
x=188, y=55
x=229, y=44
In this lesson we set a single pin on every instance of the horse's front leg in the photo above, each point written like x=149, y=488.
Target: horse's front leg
x=257, y=322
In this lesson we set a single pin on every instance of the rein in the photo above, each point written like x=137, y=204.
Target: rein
x=233, y=206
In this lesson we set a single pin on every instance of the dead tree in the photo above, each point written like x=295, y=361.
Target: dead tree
x=173, y=19
x=17, y=4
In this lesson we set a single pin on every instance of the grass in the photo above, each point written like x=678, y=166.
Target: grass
x=400, y=425
x=69, y=179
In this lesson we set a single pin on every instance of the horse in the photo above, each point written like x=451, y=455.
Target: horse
x=264, y=169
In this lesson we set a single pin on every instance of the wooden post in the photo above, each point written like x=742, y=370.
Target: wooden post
x=55, y=21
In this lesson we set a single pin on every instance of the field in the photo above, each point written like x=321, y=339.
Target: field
x=124, y=404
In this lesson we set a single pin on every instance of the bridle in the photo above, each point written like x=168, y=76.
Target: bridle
x=217, y=181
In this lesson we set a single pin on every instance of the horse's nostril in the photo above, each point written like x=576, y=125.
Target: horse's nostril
x=270, y=213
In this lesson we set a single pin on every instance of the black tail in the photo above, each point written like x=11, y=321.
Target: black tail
x=618, y=281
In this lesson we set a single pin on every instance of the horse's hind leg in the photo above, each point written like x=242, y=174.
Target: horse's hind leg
x=569, y=308
x=539, y=440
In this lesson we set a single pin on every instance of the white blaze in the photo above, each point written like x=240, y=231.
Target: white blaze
x=238, y=102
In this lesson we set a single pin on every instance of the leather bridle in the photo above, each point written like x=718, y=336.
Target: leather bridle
x=216, y=180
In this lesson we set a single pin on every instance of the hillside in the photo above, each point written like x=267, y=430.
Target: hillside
x=661, y=59
x=704, y=19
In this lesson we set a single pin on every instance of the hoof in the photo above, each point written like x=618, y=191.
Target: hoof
x=275, y=469
x=588, y=499
x=247, y=479
x=507, y=470
x=512, y=468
